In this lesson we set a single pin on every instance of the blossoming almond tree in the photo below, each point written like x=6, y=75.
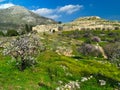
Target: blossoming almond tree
x=24, y=49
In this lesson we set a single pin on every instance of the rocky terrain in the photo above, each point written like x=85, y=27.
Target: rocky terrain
x=16, y=17
x=83, y=23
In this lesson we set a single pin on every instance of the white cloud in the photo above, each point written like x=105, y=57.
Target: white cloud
x=58, y=12
x=69, y=9
x=50, y=13
x=7, y=5
x=43, y=11
x=54, y=16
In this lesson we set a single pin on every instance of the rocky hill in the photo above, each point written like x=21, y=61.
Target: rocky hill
x=94, y=23
x=16, y=17
x=82, y=23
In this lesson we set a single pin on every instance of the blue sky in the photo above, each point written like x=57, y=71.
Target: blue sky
x=68, y=10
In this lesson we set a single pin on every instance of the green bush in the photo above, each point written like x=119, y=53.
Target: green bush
x=12, y=33
x=1, y=33
x=28, y=28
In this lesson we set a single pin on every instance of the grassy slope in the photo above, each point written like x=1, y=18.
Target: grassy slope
x=52, y=68
x=49, y=71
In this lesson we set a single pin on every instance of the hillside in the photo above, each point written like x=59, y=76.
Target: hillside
x=83, y=54
x=17, y=16
x=94, y=23
x=67, y=60
x=82, y=23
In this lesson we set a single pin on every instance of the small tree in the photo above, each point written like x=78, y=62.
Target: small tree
x=59, y=22
x=28, y=28
x=23, y=49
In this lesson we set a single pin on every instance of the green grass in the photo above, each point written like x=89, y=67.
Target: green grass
x=49, y=71
x=109, y=35
x=52, y=68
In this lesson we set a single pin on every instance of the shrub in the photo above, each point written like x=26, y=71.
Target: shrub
x=117, y=28
x=88, y=41
x=28, y=28
x=87, y=34
x=86, y=49
x=89, y=49
x=75, y=34
x=96, y=39
x=23, y=49
x=59, y=22
x=112, y=51
x=1, y=33
x=112, y=34
x=12, y=33
x=22, y=32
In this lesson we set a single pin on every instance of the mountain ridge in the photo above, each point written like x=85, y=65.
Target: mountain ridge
x=18, y=15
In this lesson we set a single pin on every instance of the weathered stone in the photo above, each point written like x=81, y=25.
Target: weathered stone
x=102, y=82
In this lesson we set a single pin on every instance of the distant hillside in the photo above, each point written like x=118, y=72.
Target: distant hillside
x=82, y=23
x=93, y=23
x=16, y=17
